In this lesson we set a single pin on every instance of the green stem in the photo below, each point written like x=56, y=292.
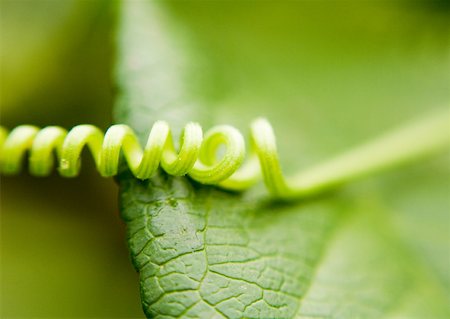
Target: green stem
x=403, y=145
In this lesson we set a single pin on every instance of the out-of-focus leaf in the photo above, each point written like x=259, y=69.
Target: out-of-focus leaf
x=376, y=249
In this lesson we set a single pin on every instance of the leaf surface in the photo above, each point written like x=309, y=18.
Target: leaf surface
x=378, y=248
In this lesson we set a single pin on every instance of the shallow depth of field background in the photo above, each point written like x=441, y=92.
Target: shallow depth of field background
x=63, y=250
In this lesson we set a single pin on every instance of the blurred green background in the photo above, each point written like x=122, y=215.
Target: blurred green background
x=63, y=251
x=63, y=247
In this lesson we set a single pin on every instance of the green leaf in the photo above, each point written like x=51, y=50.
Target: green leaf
x=378, y=248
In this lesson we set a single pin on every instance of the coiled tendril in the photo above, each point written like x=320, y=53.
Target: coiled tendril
x=199, y=155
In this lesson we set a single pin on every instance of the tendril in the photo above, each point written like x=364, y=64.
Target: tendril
x=214, y=158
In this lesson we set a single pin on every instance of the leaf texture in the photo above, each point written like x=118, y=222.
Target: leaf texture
x=377, y=250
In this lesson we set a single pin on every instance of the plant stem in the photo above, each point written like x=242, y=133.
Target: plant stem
x=409, y=143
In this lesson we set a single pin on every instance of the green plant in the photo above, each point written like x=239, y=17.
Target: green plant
x=202, y=252
x=198, y=156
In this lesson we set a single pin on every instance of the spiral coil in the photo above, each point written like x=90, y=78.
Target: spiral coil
x=197, y=156
x=215, y=158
